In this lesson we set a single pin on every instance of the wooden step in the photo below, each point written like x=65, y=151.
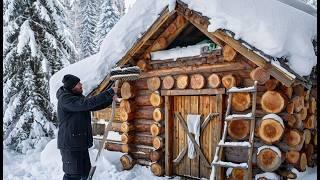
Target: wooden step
x=230, y=164
x=239, y=117
x=235, y=144
x=246, y=89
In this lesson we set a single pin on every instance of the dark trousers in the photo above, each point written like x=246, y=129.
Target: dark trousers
x=76, y=164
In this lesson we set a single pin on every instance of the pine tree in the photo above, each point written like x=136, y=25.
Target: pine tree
x=36, y=45
x=109, y=16
x=88, y=27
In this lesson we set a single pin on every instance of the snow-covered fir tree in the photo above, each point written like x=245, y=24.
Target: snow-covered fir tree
x=36, y=45
x=109, y=16
x=88, y=24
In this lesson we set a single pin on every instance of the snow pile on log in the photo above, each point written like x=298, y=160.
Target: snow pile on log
x=178, y=52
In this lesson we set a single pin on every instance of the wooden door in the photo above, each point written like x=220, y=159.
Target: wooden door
x=209, y=136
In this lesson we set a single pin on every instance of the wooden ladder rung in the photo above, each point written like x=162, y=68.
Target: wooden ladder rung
x=234, y=144
x=239, y=117
x=230, y=164
x=247, y=89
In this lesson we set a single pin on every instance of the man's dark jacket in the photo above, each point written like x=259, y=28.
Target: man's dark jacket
x=75, y=132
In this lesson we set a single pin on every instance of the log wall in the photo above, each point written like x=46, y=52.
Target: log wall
x=141, y=120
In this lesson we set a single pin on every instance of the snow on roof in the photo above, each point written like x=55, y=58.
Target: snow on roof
x=277, y=29
x=118, y=41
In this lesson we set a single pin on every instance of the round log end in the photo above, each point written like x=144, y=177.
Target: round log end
x=158, y=114
x=238, y=174
x=238, y=129
x=155, y=99
x=268, y=160
x=182, y=81
x=127, y=91
x=241, y=101
x=292, y=137
x=154, y=83
x=197, y=81
x=157, y=169
x=273, y=102
x=229, y=81
x=168, y=82
x=260, y=74
x=155, y=156
x=155, y=130
x=127, y=162
x=157, y=142
x=214, y=81
x=270, y=131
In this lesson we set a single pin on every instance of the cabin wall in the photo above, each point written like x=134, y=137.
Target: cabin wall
x=138, y=137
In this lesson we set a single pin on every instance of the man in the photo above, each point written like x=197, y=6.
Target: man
x=75, y=132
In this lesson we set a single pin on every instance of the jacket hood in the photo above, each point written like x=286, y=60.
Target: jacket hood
x=61, y=91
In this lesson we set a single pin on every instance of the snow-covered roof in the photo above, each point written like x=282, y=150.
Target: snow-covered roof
x=274, y=27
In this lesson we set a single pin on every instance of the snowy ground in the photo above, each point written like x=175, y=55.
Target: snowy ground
x=46, y=165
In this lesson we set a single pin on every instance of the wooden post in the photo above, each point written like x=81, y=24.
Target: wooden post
x=168, y=137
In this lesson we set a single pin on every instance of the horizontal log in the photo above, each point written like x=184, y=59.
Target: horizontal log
x=137, y=139
x=141, y=84
x=191, y=92
x=192, y=69
x=151, y=155
x=144, y=113
x=142, y=100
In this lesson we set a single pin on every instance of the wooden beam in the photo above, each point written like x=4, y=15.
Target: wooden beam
x=192, y=92
x=249, y=54
x=168, y=137
x=212, y=68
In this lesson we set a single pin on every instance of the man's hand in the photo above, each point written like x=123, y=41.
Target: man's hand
x=116, y=98
x=115, y=89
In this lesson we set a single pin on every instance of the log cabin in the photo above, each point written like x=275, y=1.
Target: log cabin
x=175, y=83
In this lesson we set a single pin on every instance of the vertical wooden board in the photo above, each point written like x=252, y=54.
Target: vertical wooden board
x=169, y=130
x=195, y=163
x=181, y=135
x=187, y=102
x=213, y=129
x=220, y=105
x=206, y=134
x=176, y=134
x=202, y=140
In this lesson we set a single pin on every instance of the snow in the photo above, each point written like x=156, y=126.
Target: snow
x=273, y=27
x=246, y=89
x=268, y=175
x=178, y=52
x=275, y=117
x=47, y=164
x=26, y=38
x=229, y=171
x=239, y=116
x=117, y=42
x=273, y=148
x=242, y=144
x=171, y=5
